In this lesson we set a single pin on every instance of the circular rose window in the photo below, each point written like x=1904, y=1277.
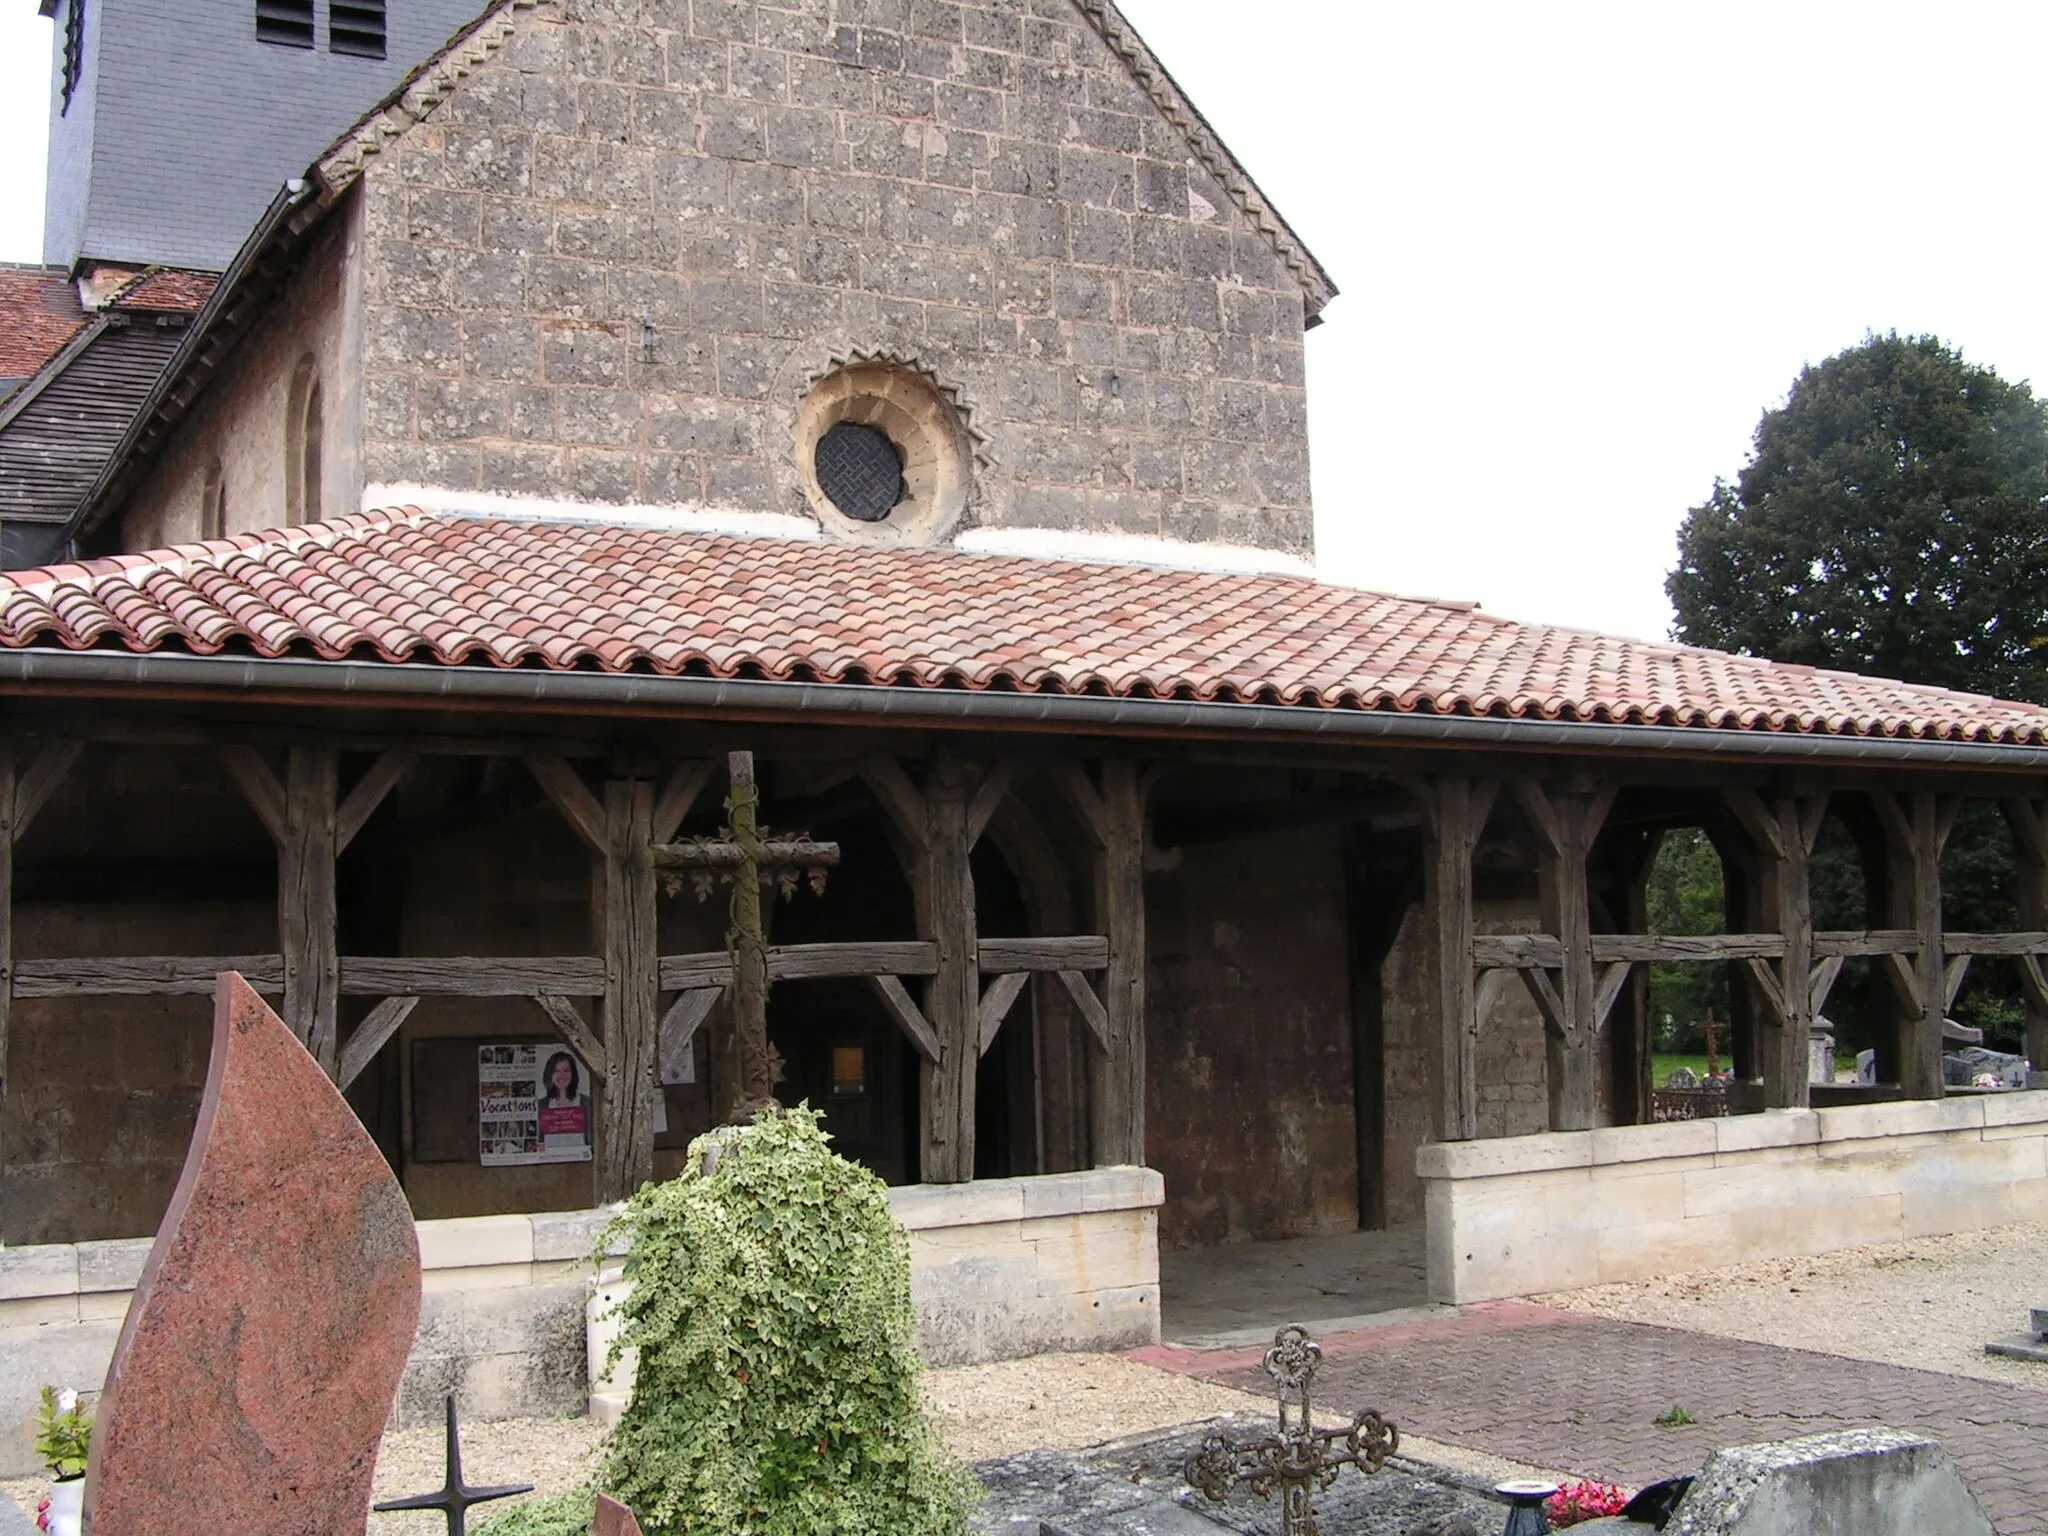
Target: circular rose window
x=883, y=455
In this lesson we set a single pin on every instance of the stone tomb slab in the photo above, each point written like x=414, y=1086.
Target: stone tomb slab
x=1135, y=1487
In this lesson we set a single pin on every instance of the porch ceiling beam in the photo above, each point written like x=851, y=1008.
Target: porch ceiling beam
x=575, y=1030
x=572, y=798
x=908, y=1016
x=361, y=803
x=1077, y=952
x=369, y=1036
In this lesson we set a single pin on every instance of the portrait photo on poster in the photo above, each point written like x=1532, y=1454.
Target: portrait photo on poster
x=533, y=1106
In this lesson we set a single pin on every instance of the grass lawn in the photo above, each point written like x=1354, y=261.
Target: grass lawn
x=1661, y=1065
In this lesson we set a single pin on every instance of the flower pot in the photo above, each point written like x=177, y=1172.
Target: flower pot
x=67, y=1502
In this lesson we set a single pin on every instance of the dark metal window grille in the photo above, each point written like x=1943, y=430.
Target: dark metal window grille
x=357, y=27
x=288, y=23
x=860, y=471
x=74, y=50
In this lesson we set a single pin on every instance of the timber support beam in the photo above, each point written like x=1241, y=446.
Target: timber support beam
x=1565, y=823
x=1454, y=810
x=1784, y=831
x=1916, y=828
x=2028, y=820
x=23, y=792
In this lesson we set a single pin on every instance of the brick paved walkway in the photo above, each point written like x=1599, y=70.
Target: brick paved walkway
x=1578, y=1393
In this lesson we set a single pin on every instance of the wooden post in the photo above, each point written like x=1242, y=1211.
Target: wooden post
x=1566, y=825
x=1916, y=827
x=7, y=834
x=1455, y=810
x=1782, y=834
x=2030, y=888
x=953, y=996
x=22, y=795
x=305, y=903
x=1377, y=897
x=632, y=980
x=1116, y=1084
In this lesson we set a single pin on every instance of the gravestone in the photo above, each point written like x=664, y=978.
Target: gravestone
x=1859, y=1482
x=263, y=1346
x=2031, y=1345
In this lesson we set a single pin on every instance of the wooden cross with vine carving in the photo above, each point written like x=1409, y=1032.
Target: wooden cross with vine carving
x=742, y=856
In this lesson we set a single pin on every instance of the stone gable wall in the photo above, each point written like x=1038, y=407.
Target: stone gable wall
x=983, y=187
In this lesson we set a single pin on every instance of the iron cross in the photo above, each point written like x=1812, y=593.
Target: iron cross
x=454, y=1496
x=1301, y=1458
x=744, y=858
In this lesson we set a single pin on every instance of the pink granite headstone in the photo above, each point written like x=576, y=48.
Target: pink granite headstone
x=263, y=1348
x=613, y=1519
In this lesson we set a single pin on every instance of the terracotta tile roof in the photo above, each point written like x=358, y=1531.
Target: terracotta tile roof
x=166, y=288
x=39, y=312
x=406, y=586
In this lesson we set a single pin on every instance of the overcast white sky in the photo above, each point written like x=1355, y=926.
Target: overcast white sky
x=1581, y=247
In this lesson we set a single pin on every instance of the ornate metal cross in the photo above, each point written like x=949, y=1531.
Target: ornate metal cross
x=1301, y=1458
x=741, y=855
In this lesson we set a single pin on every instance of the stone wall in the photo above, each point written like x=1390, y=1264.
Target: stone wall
x=609, y=264
x=1566, y=1209
x=999, y=1268
x=1513, y=1099
x=241, y=418
x=1250, y=1106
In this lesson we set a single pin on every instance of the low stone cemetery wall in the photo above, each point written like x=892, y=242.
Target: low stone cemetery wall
x=999, y=1268
x=1524, y=1214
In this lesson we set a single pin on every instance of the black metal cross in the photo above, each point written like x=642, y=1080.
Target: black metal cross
x=744, y=857
x=455, y=1496
x=1301, y=1458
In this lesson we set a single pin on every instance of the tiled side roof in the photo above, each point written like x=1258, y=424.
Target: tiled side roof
x=39, y=312
x=167, y=289
x=407, y=586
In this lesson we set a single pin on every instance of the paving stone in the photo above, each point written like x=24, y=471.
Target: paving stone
x=1582, y=1394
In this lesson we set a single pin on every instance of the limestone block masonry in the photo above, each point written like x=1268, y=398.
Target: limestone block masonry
x=999, y=1268
x=1525, y=1214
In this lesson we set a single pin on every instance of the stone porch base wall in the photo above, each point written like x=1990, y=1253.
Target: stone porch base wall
x=999, y=1268
x=1526, y=1214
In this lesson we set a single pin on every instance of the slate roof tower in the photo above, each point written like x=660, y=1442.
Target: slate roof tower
x=172, y=122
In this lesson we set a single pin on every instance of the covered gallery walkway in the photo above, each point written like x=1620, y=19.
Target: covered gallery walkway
x=1235, y=1295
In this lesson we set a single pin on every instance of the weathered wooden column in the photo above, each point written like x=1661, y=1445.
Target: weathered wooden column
x=625, y=1152
x=1454, y=809
x=953, y=997
x=1916, y=829
x=22, y=795
x=1116, y=1087
x=1783, y=831
x=7, y=835
x=1566, y=823
x=305, y=903
x=2030, y=888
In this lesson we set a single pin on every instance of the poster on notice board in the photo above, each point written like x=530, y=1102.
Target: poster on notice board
x=533, y=1106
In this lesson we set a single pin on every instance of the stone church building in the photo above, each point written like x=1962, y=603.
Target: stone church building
x=910, y=393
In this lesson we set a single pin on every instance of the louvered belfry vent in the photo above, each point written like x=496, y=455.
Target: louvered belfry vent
x=288, y=23
x=357, y=27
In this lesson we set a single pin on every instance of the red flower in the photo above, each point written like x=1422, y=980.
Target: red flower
x=1586, y=1499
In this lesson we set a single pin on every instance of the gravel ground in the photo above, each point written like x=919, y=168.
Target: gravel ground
x=1051, y=1402
x=1930, y=1303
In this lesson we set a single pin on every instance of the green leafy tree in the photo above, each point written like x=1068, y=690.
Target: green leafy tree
x=1684, y=896
x=1892, y=520
x=777, y=1391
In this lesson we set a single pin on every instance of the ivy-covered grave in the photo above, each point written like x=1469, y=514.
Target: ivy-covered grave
x=777, y=1390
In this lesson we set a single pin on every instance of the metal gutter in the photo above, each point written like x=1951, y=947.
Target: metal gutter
x=417, y=684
